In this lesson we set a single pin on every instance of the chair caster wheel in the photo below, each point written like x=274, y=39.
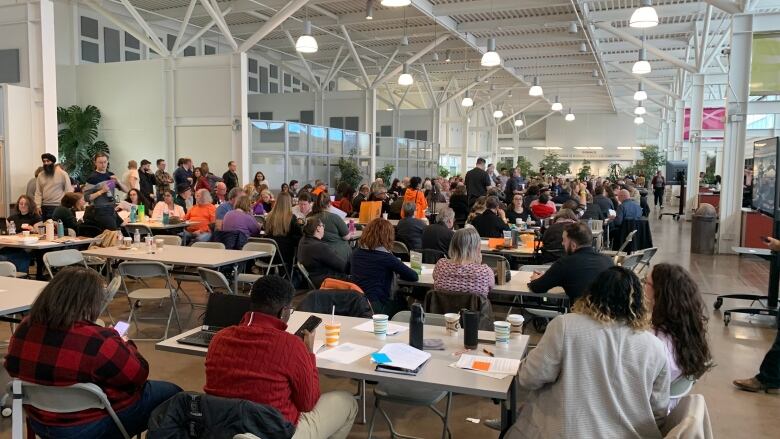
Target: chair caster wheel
x=726, y=319
x=718, y=303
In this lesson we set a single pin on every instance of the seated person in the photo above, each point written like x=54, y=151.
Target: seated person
x=602, y=201
x=602, y=349
x=575, y=271
x=167, y=203
x=380, y=194
x=205, y=213
x=284, y=228
x=240, y=219
x=345, y=202
x=492, y=222
x=459, y=202
x=394, y=209
x=337, y=233
x=136, y=198
x=562, y=197
x=66, y=211
x=628, y=209
x=79, y=351
x=264, y=203
x=542, y=207
x=25, y=217
x=317, y=257
x=259, y=361
x=464, y=270
x=373, y=267
x=304, y=206
x=679, y=319
x=410, y=229
x=362, y=196
x=592, y=210
x=438, y=235
x=552, y=240
x=516, y=211
x=476, y=209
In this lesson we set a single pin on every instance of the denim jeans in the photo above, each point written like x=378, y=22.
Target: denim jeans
x=189, y=237
x=769, y=373
x=134, y=418
x=18, y=257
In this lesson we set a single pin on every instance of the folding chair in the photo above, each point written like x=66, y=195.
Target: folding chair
x=630, y=262
x=186, y=274
x=401, y=250
x=143, y=230
x=111, y=290
x=62, y=258
x=305, y=274
x=617, y=255
x=171, y=240
x=214, y=281
x=271, y=249
x=8, y=269
x=271, y=264
x=647, y=256
x=148, y=270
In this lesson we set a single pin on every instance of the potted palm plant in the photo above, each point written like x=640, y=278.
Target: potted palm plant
x=78, y=144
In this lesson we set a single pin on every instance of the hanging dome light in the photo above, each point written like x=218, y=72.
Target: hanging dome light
x=396, y=3
x=645, y=16
x=435, y=57
x=447, y=57
x=583, y=48
x=640, y=110
x=467, y=101
x=519, y=122
x=569, y=116
x=640, y=94
x=498, y=114
x=369, y=9
x=490, y=58
x=556, y=106
x=536, y=89
x=405, y=78
x=641, y=66
x=306, y=43
x=639, y=120
x=573, y=27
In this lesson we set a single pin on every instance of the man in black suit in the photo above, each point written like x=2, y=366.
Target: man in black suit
x=437, y=236
x=575, y=271
x=477, y=181
x=492, y=222
x=410, y=229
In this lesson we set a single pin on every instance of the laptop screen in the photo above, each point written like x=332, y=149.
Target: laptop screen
x=225, y=310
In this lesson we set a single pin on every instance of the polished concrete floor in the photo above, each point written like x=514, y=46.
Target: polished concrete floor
x=738, y=350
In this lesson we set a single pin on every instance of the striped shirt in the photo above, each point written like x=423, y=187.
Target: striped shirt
x=466, y=278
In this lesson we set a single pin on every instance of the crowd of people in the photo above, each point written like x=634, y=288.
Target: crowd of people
x=622, y=345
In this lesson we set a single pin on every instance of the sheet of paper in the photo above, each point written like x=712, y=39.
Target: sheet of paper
x=498, y=376
x=404, y=356
x=79, y=215
x=427, y=270
x=392, y=329
x=500, y=365
x=345, y=353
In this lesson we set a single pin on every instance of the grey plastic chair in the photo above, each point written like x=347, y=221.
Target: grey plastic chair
x=7, y=269
x=257, y=246
x=214, y=245
x=399, y=248
x=147, y=270
x=630, y=262
x=305, y=274
x=63, y=258
x=431, y=319
x=173, y=240
x=493, y=261
x=143, y=229
x=647, y=256
x=58, y=399
x=188, y=274
x=111, y=290
x=619, y=253
x=276, y=253
x=681, y=387
x=411, y=394
x=214, y=281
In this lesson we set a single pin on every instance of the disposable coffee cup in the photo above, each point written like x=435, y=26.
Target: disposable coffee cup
x=380, y=325
x=332, y=333
x=384, y=216
x=159, y=243
x=501, y=328
x=516, y=324
x=452, y=323
x=26, y=233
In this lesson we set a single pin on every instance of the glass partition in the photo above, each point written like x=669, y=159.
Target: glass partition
x=299, y=137
x=335, y=141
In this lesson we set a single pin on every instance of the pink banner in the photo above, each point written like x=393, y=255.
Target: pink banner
x=712, y=119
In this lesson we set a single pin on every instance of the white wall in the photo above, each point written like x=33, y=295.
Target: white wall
x=607, y=130
x=285, y=106
x=13, y=35
x=21, y=153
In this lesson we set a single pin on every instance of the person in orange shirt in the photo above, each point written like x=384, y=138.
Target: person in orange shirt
x=204, y=213
x=414, y=195
x=319, y=187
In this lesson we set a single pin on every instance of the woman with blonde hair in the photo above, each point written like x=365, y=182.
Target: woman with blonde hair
x=603, y=349
x=464, y=270
x=284, y=227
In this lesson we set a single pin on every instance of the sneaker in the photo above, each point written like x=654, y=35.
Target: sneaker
x=494, y=424
x=754, y=385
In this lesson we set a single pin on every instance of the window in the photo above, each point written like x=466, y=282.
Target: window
x=254, y=81
x=304, y=87
x=287, y=80
x=266, y=115
x=9, y=67
x=253, y=84
x=90, y=52
x=307, y=116
x=351, y=123
x=337, y=122
x=132, y=42
x=170, y=40
x=263, y=73
x=252, y=65
x=332, y=86
x=253, y=115
x=111, y=42
x=273, y=87
x=89, y=28
x=274, y=71
x=409, y=134
x=209, y=50
x=190, y=51
x=296, y=81
x=422, y=135
x=132, y=56
x=90, y=44
x=386, y=131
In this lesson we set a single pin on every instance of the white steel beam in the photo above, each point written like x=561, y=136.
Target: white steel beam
x=184, y=23
x=387, y=64
x=513, y=23
x=652, y=49
x=338, y=69
x=470, y=86
x=705, y=39
x=333, y=65
x=281, y=15
x=726, y=6
x=429, y=88
x=210, y=6
x=511, y=116
x=646, y=81
x=715, y=51
x=482, y=6
x=356, y=57
x=145, y=26
x=199, y=33
x=304, y=62
x=149, y=40
x=412, y=59
x=490, y=100
x=527, y=127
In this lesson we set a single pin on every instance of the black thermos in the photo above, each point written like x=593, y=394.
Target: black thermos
x=470, y=328
x=416, y=323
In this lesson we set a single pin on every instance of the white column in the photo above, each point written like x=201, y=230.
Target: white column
x=397, y=122
x=48, y=76
x=319, y=108
x=670, y=130
x=734, y=135
x=679, y=111
x=242, y=131
x=719, y=161
x=370, y=118
x=464, y=165
x=694, y=144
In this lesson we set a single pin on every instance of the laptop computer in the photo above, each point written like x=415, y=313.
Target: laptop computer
x=222, y=310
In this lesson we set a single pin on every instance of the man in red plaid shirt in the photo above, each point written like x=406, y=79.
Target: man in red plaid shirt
x=58, y=345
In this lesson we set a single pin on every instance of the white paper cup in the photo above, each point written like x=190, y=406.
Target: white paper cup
x=380, y=325
x=516, y=324
x=452, y=323
x=501, y=328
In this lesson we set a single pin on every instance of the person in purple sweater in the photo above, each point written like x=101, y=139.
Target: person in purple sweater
x=240, y=219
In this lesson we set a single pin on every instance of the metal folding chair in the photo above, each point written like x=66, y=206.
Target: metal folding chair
x=148, y=270
x=214, y=281
x=62, y=258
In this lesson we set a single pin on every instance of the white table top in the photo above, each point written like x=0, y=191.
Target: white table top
x=17, y=295
x=158, y=225
x=436, y=374
x=752, y=251
x=179, y=255
x=16, y=241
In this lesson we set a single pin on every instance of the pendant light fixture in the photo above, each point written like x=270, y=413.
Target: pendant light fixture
x=396, y=3
x=519, y=121
x=645, y=16
x=306, y=43
x=491, y=57
x=583, y=48
x=498, y=114
x=405, y=78
x=639, y=120
x=556, y=106
x=467, y=101
x=569, y=116
x=641, y=66
x=536, y=89
x=369, y=9
x=640, y=94
x=640, y=110
x=572, y=27
x=435, y=57
x=447, y=57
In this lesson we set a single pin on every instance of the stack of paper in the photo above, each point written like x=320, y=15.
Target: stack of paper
x=401, y=358
x=345, y=353
x=392, y=328
x=495, y=367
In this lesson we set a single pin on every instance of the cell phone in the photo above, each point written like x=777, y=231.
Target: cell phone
x=121, y=328
x=765, y=239
x=309, y=325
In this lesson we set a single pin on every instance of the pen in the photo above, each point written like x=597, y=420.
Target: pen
x=488, y=352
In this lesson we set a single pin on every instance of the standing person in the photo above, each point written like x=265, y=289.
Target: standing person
x=31, y=183
x=768, y=378
x=204, y=170
x=513, y=185
x=183, y=173
x=130, y=178
x=477, y=181
x=200, y=180
x=79, y=351
x=259, y=361
x=294, y=188
x=204, y=213
x=659, y=185
x=50, y=186
x=230, y=177
x=162, y=178
x=101, y=194
x=415, y=196
x=147, y=180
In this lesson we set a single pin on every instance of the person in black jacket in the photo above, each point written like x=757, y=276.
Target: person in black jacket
x=575, y=271
x=230, y=177
x=602, y=201
x=477, y=181
x=362, y=196
x=492, y=222
x=592, y=210
x=410, y=229
x=146, y=179
x=552, y=240
x=317, y=257
x=438, y=236
x=459, y=202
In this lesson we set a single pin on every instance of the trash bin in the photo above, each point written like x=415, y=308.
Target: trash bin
x=704, y=230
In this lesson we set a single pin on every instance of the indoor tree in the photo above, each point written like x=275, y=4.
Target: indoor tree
x=349, y=171
x=553, y=166
x=78, y=131
x=386, y=173
x=584, y=171
x=652, y=160
x=525, y=166
x=443, y=172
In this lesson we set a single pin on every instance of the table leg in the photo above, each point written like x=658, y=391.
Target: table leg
x=509, y=415
x=235, y=278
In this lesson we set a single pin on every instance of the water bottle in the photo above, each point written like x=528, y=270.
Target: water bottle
x=416, y=322
x=351, y=226
x=590, y=224
x=137, y=238
x=12, y=228
x=141, y=214
x=166, y=216
x=470, y=326
x=133, y=213
x=60, y=229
